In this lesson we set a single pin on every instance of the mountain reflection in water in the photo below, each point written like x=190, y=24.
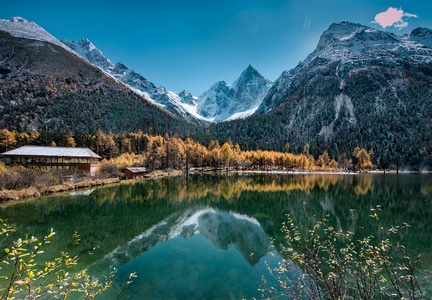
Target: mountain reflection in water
x=205, y=253
x=209, y=233
x=223, y=229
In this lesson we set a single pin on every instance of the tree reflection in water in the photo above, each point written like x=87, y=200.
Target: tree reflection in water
x=111, y=217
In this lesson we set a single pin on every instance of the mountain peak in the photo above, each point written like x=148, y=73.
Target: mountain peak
x=342, y=28
x=338, y=32
x=421, y=31
x=82, y=44
x=239, y=100
x=347, y=36
x=422, y=36
x=86, y=42
x=22, y=28
x=187, y=98
x=19, y=20
x=250, y=70
x=88, y=50
x=249, y=74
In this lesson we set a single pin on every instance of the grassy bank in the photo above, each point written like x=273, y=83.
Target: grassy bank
x=10, y=195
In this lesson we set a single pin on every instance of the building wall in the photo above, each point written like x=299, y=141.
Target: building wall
x=132, y=175
x=84, y=165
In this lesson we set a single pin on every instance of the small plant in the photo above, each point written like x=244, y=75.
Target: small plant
x=110, y=170
x=17, y=178
x=29, y=279
x=325, y=263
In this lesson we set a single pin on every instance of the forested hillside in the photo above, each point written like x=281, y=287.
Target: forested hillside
x=43, y=87
x=172, y=152
x=400, y=129
x=360, y=87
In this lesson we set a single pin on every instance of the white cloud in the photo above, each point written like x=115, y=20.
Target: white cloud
x=393, y=17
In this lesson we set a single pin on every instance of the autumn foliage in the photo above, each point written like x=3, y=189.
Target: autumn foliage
x=170, y=152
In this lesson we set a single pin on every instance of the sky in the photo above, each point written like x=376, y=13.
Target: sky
x=191, y=44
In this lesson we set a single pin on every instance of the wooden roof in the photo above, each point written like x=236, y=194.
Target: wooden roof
x=136, y=169
x=41, y=151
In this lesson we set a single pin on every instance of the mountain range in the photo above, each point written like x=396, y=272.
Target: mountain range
x=221, y=102
x=46, y=86
x=359, y=87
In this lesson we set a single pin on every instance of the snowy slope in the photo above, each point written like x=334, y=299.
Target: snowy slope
x=88, y=51
x=160, y=96
x=352, y=47
x=22, y=28
x=225, y=102
x=221, y=102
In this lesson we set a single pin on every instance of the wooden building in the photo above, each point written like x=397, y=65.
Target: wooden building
x=54, y=158
x=134, y=172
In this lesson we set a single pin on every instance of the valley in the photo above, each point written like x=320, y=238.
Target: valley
x=361, y=87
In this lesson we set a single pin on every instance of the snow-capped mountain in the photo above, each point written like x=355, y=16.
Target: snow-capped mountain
x=359, y=87
x=22, y=28
x=224, y=102
x=221, y=102
x=88, y=51
x=244, y=96
x=45, y=85
x=158, y=95
x=352, y=47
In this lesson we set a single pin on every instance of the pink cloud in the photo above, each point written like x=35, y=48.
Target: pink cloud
x=393, y=17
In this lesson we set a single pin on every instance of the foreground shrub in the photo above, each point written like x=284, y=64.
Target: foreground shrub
x=333, y=264
x=110, y=170
x=17, y=178
x=26, y=278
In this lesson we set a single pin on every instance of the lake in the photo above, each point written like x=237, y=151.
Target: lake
x=209, y=235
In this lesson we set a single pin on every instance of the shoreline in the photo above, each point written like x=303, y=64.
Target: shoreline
x=33, y=192
x=13, y=195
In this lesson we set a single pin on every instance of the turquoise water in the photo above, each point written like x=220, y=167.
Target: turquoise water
x=208, y=236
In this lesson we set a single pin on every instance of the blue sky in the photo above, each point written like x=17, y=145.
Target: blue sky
x=192, y=44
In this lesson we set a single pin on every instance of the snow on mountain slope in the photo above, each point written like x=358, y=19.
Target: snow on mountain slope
x=22, y=28
x=347, y=41
x=158, y=95
x=223, y=102
x=352, y=47
x=88, y=51
x=220, y=103
x=422, y=36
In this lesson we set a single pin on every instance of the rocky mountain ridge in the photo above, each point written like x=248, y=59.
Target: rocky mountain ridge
x=360, y=87
x=222, y=102
x=46, y=86
x=353, y=46
x=141, y=85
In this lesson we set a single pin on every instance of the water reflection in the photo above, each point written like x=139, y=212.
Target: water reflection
x=173, y=226
x=203, y=253
x=223, y=229
x=231, y=186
